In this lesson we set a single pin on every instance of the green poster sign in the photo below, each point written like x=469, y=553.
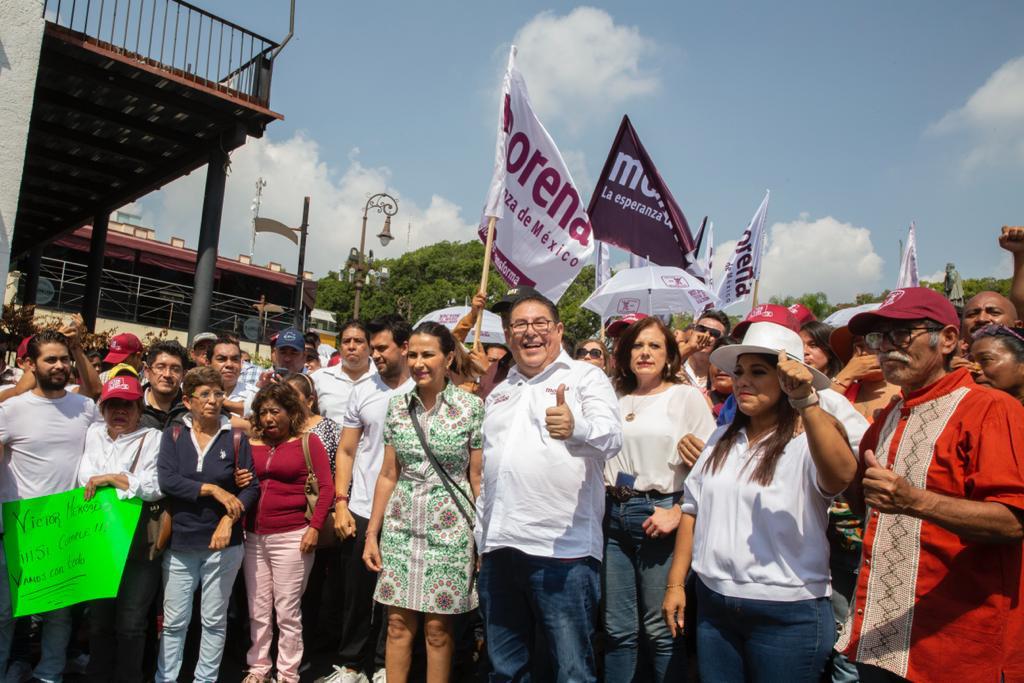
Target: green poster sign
x=63, y=549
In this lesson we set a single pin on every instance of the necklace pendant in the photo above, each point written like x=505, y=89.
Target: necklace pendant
x=630, y=417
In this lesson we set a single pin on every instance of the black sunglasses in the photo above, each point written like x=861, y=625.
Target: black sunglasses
x=715, y=334
x=584, y=353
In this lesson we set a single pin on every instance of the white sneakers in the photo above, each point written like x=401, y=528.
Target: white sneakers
x=345, y=675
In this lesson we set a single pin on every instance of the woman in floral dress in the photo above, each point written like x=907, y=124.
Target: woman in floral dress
x=426, y=557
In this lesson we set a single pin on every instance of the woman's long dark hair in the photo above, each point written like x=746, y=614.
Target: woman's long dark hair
x=769, y=449
x=624, y=379
x=819, y=333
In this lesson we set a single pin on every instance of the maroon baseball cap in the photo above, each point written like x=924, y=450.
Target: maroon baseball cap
x=122, y=346
x=767, y=313
x=23, y=347
x=802, y=314
x=616, y=327
x=122, y=386
x=909, y=303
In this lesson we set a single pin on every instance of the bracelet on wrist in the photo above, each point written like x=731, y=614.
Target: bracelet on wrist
x=675, y=585
x=341, y=499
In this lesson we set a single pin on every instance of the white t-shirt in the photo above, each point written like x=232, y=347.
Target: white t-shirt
x=367, y=410
x=43, y=442
x=754, y=541
x=334, y=387
x=649, y=440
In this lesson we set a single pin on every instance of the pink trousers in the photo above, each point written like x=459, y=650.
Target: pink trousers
x=275, y=578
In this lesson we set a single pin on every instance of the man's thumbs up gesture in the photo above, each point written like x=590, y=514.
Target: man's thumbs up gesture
x=559, y=419
x=886, y=491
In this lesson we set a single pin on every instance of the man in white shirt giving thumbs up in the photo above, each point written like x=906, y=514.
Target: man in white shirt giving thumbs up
x=548, y=430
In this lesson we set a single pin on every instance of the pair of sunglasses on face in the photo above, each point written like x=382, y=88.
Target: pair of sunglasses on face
x=588, y=353
x=701, y=329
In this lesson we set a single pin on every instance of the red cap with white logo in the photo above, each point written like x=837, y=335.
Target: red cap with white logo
x=122, y=386
x=908, y=303
x=617, y=327
x=767, y=313
x=122, y=346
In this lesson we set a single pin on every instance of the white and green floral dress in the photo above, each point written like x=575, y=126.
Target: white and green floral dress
x=426, y=545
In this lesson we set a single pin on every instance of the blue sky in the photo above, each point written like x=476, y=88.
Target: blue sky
x=859, y=117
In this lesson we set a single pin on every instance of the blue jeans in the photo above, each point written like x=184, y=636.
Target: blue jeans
x=523, y=597
x=56, y=634
x=762, y=641
x=635, y=572
x=184, y=571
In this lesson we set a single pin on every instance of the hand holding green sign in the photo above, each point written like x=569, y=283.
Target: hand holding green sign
x=63, y=549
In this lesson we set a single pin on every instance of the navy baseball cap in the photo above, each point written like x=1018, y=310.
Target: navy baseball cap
x=291, y=338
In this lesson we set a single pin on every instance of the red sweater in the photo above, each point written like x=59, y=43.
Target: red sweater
x=282, y=475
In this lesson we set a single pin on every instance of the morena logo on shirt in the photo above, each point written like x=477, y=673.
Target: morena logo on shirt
x=499, y=398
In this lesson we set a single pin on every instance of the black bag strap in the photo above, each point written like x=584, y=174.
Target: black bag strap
x=446, y=478
x=138, y=452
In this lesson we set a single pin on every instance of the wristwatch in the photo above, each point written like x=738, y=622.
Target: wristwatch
x=805, y=402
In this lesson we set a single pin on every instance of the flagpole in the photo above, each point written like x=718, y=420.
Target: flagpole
x=491, y=221
x=756, y=283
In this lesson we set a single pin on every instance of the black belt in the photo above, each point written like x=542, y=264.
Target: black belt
x=624, y=493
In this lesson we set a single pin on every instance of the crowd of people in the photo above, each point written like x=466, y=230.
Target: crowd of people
x=779, y=500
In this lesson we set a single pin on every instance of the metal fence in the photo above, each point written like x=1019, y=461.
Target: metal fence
x=175, y=36
x=151, y=302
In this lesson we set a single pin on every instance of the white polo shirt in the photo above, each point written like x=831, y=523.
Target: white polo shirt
x=540, y=495
x=367, y=409
x=334, y=387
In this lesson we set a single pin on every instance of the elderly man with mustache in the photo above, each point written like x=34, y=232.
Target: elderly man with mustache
x=942, y=483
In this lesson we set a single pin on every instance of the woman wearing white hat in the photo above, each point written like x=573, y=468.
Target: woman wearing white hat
x=755, y=511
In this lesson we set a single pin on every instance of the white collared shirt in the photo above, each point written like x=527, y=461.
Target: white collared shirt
x=367, y=410
x=334, y=387
x=540, y=495
x=225, y=426
x=104, y=455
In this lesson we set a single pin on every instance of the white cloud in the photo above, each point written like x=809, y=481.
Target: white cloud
x=582, y=64
x=577, y=163
x=823, y=255
x=993, y=118
x=293, y=169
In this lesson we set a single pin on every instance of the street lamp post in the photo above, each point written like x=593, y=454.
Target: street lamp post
x=388, y=205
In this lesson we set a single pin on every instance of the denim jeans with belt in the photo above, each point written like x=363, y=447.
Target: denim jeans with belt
x=184, y=571
x=523, y=599
x=55, y=638
x=635, y=572
x=762, y=641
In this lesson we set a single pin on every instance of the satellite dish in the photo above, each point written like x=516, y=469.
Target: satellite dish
x=251, y=329
x=44, y=292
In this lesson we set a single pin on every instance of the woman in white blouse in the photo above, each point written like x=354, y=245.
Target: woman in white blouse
x=755, y=512
x=122, y=455
x=644, y=484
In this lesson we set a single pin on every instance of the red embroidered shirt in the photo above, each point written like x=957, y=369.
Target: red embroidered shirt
x=930, y=605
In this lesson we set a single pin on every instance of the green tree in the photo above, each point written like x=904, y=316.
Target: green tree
x=579, y=323
x=816, y=302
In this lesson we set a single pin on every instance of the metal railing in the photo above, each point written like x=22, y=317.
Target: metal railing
x=149, y=301
x=175, y=36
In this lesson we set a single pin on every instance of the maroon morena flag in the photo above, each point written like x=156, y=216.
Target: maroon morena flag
x=633, y=209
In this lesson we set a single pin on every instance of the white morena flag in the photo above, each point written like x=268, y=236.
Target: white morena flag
x=542, y=232
x=602, y=264
x=908, y=266
x=744, y=267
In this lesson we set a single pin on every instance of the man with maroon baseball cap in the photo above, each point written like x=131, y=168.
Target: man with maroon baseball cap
x=942, y=479
x=124, y=348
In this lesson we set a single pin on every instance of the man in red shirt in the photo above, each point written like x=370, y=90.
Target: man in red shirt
x=940, y=583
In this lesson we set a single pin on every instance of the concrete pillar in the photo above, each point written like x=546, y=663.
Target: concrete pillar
x=91, y=305
x=209, y=236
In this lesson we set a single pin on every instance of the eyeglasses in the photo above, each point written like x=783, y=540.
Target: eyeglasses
x=588, y=353
x=208, y=396
x=540, y=326
x=715, y=334
x=899, y=337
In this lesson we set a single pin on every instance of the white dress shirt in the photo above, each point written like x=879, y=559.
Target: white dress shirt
x=104, y=455
x=541, y=495
x=649, y=440
x=334, y=387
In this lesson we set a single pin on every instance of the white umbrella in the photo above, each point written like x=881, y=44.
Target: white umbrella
x=654, y=290
x=841, y=318
x=490, y=333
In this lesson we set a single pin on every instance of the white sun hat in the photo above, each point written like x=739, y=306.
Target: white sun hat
x=767, y=339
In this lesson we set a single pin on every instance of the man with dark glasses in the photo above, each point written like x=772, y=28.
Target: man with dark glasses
x=697, y=343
